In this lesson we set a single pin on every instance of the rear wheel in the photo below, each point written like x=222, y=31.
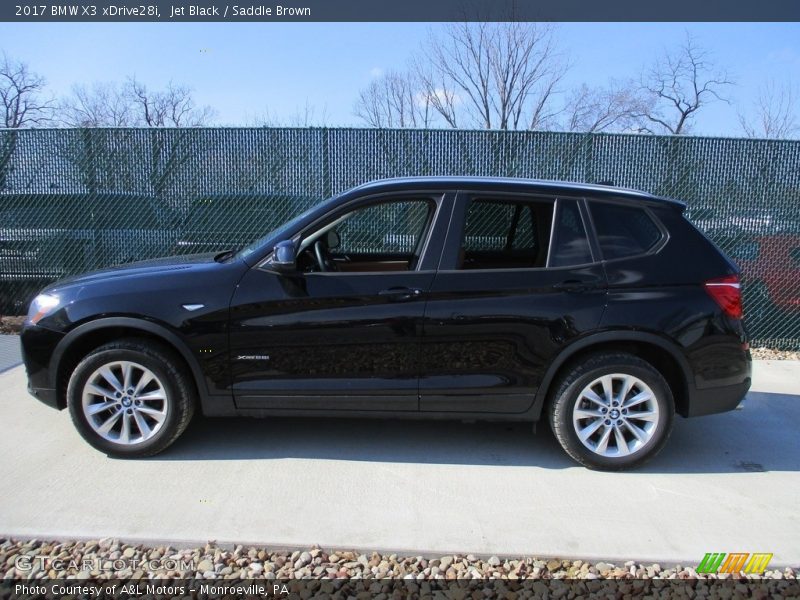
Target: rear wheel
x=613, y=411
x=130, y=398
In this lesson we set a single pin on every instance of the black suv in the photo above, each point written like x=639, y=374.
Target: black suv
x=600, y=308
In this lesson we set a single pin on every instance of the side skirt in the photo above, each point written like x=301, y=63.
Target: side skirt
x=223, y=406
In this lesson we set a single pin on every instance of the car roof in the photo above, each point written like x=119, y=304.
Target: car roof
x=542, y=186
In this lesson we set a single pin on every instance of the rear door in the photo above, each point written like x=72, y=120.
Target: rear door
x=519, y=280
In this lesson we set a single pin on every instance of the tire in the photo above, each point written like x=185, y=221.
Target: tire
x=642, y=438
x=156, y=414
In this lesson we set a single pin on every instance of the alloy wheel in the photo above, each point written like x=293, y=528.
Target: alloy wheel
x=615, y=415
x=124, y=402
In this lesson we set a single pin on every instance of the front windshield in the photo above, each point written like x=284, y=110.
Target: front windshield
x=277, y=234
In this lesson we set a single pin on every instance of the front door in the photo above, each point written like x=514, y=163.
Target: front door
x=344, y=330
x=518, y=282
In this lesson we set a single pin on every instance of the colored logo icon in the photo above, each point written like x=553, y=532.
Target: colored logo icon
x=736, y=562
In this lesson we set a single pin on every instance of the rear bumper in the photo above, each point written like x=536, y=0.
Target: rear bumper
x=714, y=400
x=721, y=371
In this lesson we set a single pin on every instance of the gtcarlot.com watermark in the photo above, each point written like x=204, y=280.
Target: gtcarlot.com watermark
x=27, y=564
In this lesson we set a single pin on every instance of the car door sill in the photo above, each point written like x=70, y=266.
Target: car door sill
x=385, y=414
x=472, y=403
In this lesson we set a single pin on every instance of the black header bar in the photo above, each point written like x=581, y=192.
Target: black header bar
x=397, y=10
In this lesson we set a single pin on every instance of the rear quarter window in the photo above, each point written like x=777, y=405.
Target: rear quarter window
x=624, y=230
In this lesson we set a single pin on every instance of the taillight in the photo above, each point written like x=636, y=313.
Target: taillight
x=727, y=292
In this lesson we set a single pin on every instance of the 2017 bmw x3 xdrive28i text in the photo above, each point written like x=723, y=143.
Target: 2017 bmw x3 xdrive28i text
x=600, y=309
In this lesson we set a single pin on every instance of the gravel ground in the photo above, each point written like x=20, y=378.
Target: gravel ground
x=112, y=558
x=10, y=324
x=770, y=354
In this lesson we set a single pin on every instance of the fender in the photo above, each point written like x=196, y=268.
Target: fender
x=605, y=337
x=131, y=323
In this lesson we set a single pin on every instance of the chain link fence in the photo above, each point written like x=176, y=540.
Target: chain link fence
x=73, y=200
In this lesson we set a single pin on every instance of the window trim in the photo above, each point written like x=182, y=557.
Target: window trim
x=654, y=249
x=587, y=229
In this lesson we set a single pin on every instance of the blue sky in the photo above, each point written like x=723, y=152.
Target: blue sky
x=248, y=69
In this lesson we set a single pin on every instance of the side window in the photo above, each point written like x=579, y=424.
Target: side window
x=623, y=230
x=524, y=236
x=570, y=242
x=488, y=225
x=505, y=234
x=388, y=228
x=376, y=238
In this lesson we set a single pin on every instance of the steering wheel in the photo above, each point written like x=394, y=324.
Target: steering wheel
x=323, y=257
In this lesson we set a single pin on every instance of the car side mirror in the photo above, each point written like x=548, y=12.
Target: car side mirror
x=332, y=239
x=284, y=256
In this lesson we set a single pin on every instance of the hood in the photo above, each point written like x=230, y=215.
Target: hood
x=139, y=268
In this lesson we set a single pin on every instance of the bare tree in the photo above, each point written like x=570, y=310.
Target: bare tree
x=99, y=156
x=304, y=116
x=132, y=104
x=678, y=85
x=394, y=100
x=98, y=105
x=610, y=108
x=21, y=94
x=494, y=75
x=439, y=94
x=23, y=104
x=775, y=113
x=171, y=107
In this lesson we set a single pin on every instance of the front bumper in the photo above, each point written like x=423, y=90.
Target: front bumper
x=45, y=395
x=38, y=345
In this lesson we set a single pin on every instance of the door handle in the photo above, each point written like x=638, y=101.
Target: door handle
x=400, y=294
x=573, y=285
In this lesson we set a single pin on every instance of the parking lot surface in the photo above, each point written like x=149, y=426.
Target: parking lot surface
x=10, y=352
x=724, y=483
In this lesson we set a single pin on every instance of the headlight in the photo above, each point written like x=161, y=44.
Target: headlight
x=42, y=306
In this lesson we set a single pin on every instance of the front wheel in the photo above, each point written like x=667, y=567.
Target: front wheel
x=613, y=411
x=130, y=398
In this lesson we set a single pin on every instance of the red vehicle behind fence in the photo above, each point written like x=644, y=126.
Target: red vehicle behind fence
x=771, y=274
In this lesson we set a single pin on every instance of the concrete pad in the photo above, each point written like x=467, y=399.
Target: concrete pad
x=10, y=352
x=724, y=483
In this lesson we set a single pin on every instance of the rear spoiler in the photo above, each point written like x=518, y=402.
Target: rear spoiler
x=677, y=204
